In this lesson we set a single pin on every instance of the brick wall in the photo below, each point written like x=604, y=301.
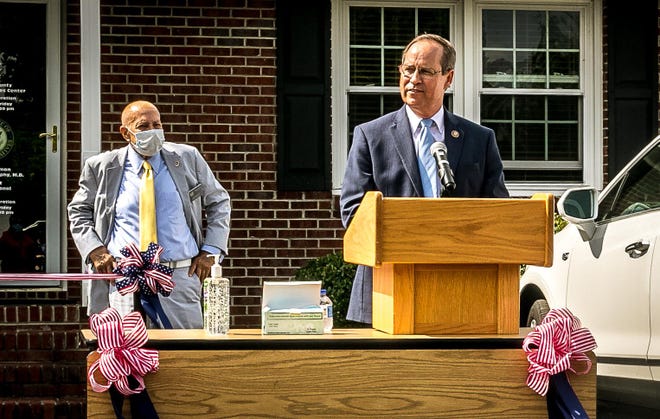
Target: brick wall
x=42, y=363
x=210, y=68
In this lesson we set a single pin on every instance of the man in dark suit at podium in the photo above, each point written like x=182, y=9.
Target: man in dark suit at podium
x=385, y=154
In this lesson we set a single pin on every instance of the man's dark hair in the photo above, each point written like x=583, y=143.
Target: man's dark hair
x=448, y=59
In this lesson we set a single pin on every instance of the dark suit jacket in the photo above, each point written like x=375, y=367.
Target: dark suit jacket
x=382, y=158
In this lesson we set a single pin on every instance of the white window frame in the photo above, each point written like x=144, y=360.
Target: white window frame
x=465, y=18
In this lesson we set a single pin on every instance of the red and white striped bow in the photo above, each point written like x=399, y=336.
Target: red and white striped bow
x=119, y=345
x=553, y=347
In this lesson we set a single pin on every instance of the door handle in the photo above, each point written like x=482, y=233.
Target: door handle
x=638, y=249
x=52, y=136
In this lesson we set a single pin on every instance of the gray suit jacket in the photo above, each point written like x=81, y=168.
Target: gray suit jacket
x=92, y=209
x=382, y=158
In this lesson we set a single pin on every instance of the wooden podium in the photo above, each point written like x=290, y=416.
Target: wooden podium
x=450, y=265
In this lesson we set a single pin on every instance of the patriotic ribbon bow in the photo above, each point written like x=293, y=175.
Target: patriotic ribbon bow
x=142, y=271
x=554, y=345
x=119, y=343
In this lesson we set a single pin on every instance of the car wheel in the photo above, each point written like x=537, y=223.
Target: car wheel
x=537, y=312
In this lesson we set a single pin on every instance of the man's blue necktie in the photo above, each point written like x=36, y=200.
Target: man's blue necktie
x=427, y=169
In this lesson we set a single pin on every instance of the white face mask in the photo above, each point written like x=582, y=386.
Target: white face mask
x=148, y=143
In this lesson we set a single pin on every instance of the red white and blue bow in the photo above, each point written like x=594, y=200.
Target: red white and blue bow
x=143, y=272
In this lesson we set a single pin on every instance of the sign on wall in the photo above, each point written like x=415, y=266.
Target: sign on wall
x=22, y=152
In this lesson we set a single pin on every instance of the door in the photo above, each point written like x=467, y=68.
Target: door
x=610, y=292
x=29, y=139
x=610, y=277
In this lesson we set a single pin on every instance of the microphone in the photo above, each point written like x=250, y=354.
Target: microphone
x=439, y=153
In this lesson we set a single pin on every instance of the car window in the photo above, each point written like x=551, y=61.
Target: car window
x=637, y=191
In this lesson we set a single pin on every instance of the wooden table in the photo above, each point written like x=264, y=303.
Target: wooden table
x=350, y=373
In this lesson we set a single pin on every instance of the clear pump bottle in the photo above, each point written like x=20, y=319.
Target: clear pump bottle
x=216, y=301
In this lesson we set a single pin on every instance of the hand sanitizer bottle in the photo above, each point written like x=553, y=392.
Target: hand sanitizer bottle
x=216, y=301
x=326, y=305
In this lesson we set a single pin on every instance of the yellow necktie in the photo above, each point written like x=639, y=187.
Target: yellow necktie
x=147, y=208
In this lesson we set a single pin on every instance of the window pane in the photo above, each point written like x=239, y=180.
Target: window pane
x=498, y=68
x=399, y=26
x=534, y=127
x=362, y=108
x=563, y=128
x=503, y=137
x=391, y=103
x=530, y=108
x=392, y=61
x=563, y=108
x=564, y=30
x=496, y=107
x=496, y=114
x=365, y=26
x=497, y=29
x=433, y=21
x=530, y=70
x=530, y=141
x=365, y=67
x=546, y=52
x=530, y=29
x=528, y=175
x=365, y=107
x=563, y=141
x=564, y=70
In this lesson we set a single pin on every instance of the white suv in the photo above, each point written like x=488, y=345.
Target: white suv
x=605, y=270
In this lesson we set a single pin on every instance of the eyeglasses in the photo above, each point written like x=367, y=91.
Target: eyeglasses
x=425, y=73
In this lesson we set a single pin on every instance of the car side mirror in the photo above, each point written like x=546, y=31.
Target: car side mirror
x=580, y=207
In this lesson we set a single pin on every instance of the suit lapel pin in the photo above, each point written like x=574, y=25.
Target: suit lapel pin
x=454, y=133
x=177, y=164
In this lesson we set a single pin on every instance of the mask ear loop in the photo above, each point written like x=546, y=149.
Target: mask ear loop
x=126, y=137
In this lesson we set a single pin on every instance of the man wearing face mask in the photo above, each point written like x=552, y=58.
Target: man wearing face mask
x=104, y=213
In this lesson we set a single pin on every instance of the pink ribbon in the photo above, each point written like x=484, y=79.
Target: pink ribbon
x=119, y=343
x=554, y=345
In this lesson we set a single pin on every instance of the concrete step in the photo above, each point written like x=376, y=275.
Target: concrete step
x=43, y=408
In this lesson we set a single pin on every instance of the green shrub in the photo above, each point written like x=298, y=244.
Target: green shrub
x=559, y=223
x=336, y=277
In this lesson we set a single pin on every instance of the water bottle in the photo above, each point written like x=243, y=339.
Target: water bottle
x=326, y=305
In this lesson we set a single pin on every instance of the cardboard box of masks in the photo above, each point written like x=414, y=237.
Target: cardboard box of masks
x=291, y=308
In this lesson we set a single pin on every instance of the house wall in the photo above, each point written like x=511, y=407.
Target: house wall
x=210, y=68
